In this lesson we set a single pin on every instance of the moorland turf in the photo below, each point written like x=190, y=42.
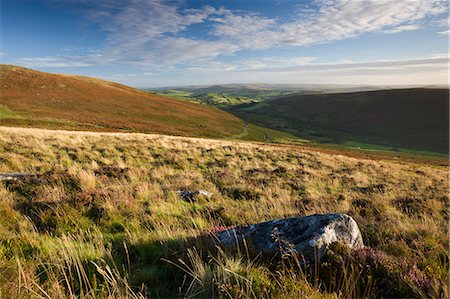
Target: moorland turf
x=103, y=219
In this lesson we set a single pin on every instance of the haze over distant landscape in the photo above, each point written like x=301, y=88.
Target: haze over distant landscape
x=174, y=43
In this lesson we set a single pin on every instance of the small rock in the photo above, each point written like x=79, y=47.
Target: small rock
x=191, y=196
x=205, y=193
x=14, y=176
x=309, y=236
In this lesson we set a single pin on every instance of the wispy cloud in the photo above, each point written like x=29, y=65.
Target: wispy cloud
x=155, y=34
x=331, y=20
x=402, y=28
x=443, y=22
x=429, y=70
x=427, y=63
x=55, y=61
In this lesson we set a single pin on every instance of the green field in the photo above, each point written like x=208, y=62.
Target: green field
x=220, y=100
x=225, y=96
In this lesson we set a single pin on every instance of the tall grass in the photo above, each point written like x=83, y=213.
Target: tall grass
x=104, y=219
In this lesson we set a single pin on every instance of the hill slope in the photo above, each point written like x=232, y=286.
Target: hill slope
x=403, y=118
x=38, y=99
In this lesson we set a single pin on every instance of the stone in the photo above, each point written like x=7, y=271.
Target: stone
x=15, y=176
x=191, y=196
x=308, y=237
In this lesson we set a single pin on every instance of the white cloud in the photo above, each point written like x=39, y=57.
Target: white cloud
x=442, y=22
x=447, y=32
x=124, y=75
x=146, y=33
x=155, y=34
x=247, y=31
x=277, y=61
x=340, y=19
x=423, y=63
x=180, y=50
x=66, y=61
x=440, y=55
x=419, y=71
x=402, y=28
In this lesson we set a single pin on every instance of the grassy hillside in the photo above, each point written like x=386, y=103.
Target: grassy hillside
x=104, y=219
x=414, y=119
x=37, y=99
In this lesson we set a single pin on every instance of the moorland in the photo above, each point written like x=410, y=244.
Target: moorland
x=98, y=212
x=102, y=218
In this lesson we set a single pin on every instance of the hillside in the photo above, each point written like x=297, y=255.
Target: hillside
x=411, y=119
x=103, y=219
x=224, y=96
x=37, y=99
x=229, y=95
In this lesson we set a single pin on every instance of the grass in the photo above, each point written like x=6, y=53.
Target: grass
x=414, y=119
x=5, y=112
x=227, y=96
x=257, y=133
x=36, y=99
x=282, y=132
x=221, y=100
x=104, y=220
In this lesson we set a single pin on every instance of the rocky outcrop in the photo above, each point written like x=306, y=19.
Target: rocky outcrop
x=309, y=236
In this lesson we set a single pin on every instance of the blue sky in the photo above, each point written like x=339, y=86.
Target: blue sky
x=171, y=43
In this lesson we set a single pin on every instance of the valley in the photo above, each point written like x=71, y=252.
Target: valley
x=406, y=121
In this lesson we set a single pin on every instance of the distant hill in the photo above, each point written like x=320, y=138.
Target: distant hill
x=36, y=99
x=415, y=118
x=229, y=95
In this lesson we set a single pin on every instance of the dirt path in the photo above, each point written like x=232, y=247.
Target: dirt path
x=240, y=135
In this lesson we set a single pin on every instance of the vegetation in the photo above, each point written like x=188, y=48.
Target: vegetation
x=103, y=219
x=35, y=99
x=253, y=132
x=407, y=123
x=399, y=119
x=213, y=99
x=229, y=95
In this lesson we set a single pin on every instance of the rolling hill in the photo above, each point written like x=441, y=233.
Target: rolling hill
x=224, y=96
x=36, y=99
x=412, y=119
x=228, y=95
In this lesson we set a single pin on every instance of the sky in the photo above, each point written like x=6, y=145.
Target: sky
x=154, y=43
